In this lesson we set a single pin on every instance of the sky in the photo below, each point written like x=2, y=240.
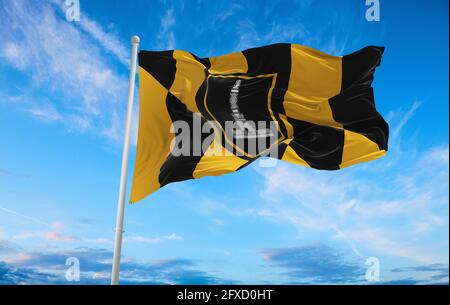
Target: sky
x=63, y=87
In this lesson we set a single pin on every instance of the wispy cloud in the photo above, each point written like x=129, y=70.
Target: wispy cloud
x=49, y=267
x=406, y=117
x=11, y=53
x=45, y=112
x=151, y=240
x=73, y=82
x=231, y=10
x=315, y=264
x=251, y=33
x=54, y=234
x=166, y=35
x=436, y=272
x=250, y=36
x=107, y=40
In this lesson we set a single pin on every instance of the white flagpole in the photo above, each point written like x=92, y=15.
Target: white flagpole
x=123, y=172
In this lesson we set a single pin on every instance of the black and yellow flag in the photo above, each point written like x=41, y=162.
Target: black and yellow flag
x=210, y=116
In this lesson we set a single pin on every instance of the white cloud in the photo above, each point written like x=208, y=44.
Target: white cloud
x=437, y=155
x=67, y=66
x=152, y=240
x=294, y=29
x=55, y=234
x=59, y=237
x=406, y=117
x=108, y=41
x=248, y=35
x=166, y=36
x=168, y=21
x=142, y=239
x=135, y=239
x=45, y=112
x=392, y=243
x=11, y=53
x=231, y=11
x=174, y=236
x=335, y=45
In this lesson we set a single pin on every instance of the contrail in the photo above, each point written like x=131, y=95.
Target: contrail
x=24, y=216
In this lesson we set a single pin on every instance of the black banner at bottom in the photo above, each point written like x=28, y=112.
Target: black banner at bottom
x=223, y=294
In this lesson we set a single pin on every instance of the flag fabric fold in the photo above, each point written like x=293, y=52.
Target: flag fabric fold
x=210, y=116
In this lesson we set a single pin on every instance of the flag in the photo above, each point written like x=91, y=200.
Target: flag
x=210, y=116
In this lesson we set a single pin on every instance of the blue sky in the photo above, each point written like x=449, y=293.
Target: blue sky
x=63, y=92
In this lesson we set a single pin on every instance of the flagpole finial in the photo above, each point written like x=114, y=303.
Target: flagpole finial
x=135, y=39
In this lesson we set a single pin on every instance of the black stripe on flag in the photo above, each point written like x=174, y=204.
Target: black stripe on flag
x=179, y=168
x=160, y=64
x=354, y=107
x=320, y=146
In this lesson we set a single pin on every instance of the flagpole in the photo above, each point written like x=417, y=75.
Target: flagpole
x=123, y=172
